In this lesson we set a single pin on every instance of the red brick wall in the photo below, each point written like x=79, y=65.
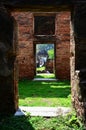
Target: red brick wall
x=63, y=45
x=26, y=48
x=26, y=53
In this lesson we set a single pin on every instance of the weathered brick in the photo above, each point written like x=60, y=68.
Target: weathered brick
x=26, y=56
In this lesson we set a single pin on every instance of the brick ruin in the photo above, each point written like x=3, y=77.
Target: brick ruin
x=28, y=38
x=9, y=48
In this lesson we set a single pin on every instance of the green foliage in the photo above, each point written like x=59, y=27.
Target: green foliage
x=15, y=123
x=40, y=68
x=69, y=122
x=44, y=46
x=74, y=121
x=51, y=54
x=39, y=93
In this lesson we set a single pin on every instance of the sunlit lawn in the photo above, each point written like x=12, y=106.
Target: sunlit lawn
x=39, y=93
x=45, y=75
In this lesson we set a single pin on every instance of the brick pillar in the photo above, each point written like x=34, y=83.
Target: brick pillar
x=8, y=64
x=62, y=32
x=26, y=47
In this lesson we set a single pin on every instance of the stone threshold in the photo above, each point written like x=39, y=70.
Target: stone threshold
x=43, y=111
x=44, y=79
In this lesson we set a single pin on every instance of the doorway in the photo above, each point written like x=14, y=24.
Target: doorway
x=30, y=91
x=45, y=60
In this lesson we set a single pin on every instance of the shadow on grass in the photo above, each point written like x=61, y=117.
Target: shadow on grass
x=44, y=89
x=15, y=123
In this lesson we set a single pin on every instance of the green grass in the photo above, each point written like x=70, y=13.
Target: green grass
x=69, y=122
x=45, y=76
x=50, y=94
x=40, y=68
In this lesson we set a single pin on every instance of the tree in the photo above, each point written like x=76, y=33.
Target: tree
x=51, y=54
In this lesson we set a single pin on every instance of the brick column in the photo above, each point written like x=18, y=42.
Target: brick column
x=62, y=31
x=26, y=46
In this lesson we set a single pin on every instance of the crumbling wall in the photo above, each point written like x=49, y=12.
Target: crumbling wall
x=78, y=62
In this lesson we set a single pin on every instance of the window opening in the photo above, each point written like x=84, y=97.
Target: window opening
x=44, y=25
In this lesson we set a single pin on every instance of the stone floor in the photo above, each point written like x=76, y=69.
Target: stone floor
x=43, y=111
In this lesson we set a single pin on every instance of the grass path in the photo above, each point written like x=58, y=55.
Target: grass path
x=39, y=93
